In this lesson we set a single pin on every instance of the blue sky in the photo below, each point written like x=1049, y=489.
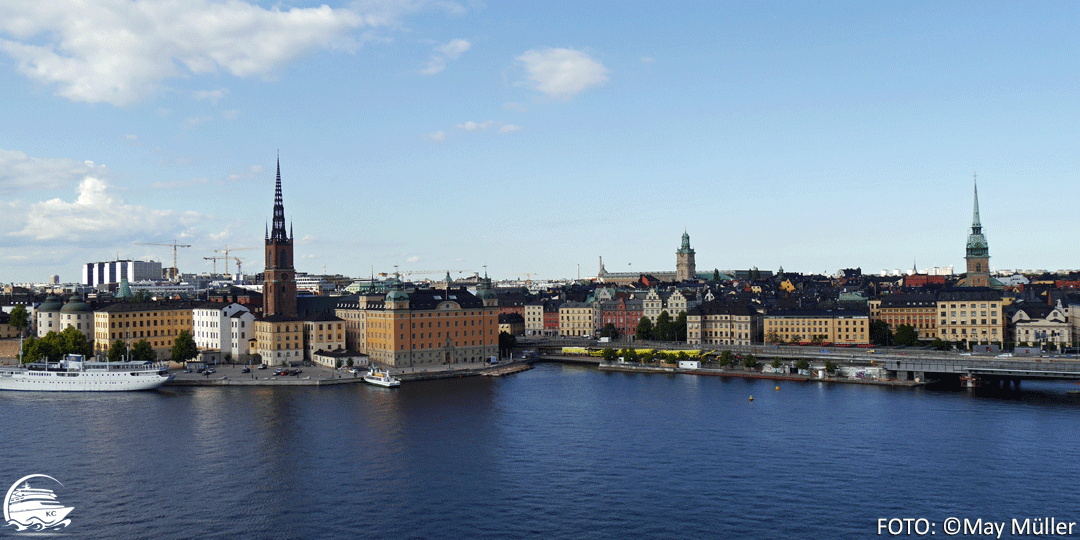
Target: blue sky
x=536, y=137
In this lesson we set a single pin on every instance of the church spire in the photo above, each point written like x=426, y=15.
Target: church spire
x=278, y=231
x=976, y=226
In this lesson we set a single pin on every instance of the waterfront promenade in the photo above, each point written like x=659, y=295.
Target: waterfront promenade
x=230, y=375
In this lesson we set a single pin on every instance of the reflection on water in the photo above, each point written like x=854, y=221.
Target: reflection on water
x=556, y=452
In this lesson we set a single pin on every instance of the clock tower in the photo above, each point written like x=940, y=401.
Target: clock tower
x=279, y=279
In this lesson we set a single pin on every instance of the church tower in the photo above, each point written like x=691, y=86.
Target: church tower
x=685, y=269
x=279, y=284
x=978, y=252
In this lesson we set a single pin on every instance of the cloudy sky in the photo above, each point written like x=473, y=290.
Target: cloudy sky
x=538, y=136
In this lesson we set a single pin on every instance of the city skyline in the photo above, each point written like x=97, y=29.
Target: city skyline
x=537, y=138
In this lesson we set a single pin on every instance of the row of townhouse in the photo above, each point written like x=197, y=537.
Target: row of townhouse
x=978, y=316
x=218, y=328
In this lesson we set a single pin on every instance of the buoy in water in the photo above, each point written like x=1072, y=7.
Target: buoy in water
x=751, y=398
x=777, y=388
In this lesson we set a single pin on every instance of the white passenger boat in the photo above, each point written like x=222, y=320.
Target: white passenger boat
x=75, y=374
x=380, y=378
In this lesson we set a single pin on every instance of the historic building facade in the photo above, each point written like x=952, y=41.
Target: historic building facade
x=157, y=323
x=973, y=316
x=279, y=333
x=978, y=253
x=837, y=327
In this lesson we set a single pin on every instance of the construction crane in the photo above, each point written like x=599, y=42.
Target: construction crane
x=215, y=262
x=528, y=275
x=239, y=261
x=226, y=252
x=174, y=245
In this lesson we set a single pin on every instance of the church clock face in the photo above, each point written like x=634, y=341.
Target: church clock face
x=284, y=276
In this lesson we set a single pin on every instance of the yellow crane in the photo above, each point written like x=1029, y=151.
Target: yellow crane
x=173, y=245
x=226, y=252
x=528, y=276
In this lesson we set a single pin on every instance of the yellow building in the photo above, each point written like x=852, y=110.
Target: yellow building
x=323, y=332
x=836, y=327
x=157, y=323
x=279, y=339
x=424, y=327
x=716, y=323
x=971, y=316
x=918, y=311
x=576, y=319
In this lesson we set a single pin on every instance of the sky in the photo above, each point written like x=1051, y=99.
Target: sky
x=536, y=137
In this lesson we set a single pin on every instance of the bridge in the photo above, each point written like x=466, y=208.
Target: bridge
x=971, y=369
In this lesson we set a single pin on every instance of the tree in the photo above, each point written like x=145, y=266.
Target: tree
x=939, y=344
x=796, y=339
x=772, y=337
x=750, y=362
x=830, y=367
x=507, y=343
x=880, y=333
x=609, y=355
x=20, y=319
x=906, y=335
x=629, y=355
x=663, y=329
x=802, y=364
x=141, y=351
x=184, y=348
x=117, y=351
x=349, y=362
x=680, y=327
x=228, y=358
x=256, y=358
x=725, y=358
x=337, y=363
x=776, y=363
x=72, y=341
x=644, y=328
x=609, y=331
x=716, y=274
x=647, y=357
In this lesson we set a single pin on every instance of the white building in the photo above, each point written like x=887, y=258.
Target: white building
x=112, y=272
x=223, y=327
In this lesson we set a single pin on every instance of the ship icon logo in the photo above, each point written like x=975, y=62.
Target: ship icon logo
x=35, y=509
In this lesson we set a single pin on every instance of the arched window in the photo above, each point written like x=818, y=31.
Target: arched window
x=282, y=265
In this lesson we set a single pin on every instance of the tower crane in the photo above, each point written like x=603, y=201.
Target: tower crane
x=173, y=245
x=226, y=252
x=215, y=262
x=528, y=275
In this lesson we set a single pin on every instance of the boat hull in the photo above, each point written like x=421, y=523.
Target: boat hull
x=86, y=381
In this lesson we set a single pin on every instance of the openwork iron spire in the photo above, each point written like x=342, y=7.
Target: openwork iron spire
x=278, y=233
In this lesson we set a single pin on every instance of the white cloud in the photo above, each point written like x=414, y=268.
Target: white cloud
x=118, y=51
x=509, y=128
x=438, y=136
x=213, y=96
x=562, y=73
x=230, y=115
x=19, y=172
x=647, y=60
x=194, y=122
x=97, y=215
x=443, y=54
x=414, y=258
x=473, y=126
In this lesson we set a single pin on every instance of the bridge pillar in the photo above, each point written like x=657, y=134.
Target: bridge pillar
x=903, y=375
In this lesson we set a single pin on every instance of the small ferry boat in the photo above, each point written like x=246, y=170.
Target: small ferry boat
x=75, y=374
x=30, y=507
x=380, y=378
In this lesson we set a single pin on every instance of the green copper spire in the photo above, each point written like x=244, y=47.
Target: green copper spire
x=976, y=244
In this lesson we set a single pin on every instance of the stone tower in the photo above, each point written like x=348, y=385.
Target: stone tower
x=685, y=268
x=279, y=284
x=978, y=252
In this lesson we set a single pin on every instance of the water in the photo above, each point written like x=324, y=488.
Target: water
x=556, y=452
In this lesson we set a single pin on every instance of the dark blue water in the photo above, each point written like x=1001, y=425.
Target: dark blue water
x=556, y=452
